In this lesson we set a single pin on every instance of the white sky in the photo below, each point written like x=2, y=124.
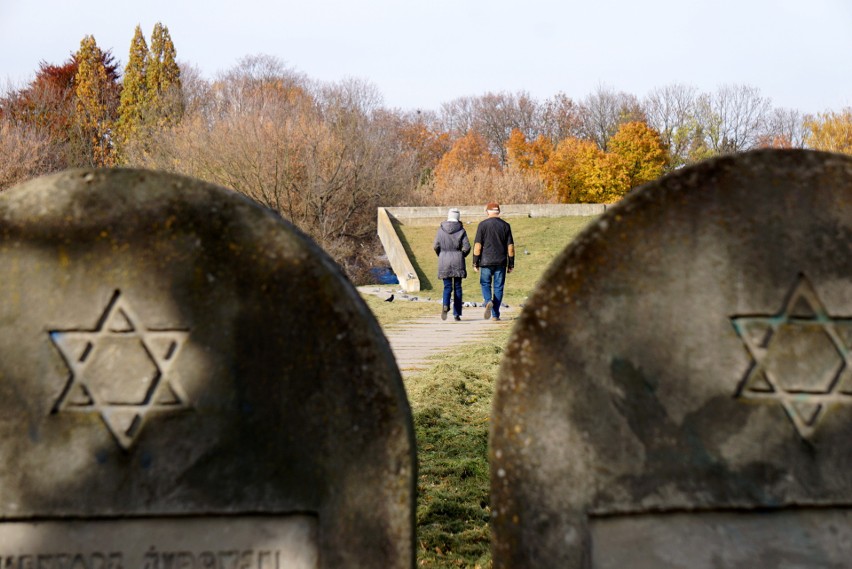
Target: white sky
x=421, y=53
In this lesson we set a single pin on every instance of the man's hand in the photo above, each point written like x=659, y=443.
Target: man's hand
x=510, y=269
x=475, y=269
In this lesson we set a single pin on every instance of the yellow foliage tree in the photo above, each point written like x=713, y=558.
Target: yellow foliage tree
x=577, y=172
x=131, y=108
x=831, y=131
x=638, y=150
x=162, y=77
x=92, y=113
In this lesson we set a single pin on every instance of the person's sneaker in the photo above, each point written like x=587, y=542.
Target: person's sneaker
x=444, y=310
x=497, y=318
x=487, y=315
x=456, y=318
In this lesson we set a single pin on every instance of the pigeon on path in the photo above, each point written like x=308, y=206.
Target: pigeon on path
x=389, y=299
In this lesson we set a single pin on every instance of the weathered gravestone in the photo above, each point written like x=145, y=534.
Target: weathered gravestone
x=678, y=392
x=189, y=383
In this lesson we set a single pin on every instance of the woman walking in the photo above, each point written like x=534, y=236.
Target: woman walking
x=452, y=246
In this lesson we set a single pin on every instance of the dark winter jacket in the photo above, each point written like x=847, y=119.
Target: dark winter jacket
x=452, y=246
x=494, y=245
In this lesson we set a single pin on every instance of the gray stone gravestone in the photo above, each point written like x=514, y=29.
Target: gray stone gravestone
x=678, y=390
x=188, y=382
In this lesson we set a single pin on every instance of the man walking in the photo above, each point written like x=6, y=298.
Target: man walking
x=493, y=257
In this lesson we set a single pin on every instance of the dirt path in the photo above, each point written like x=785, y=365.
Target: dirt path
x=414, y=342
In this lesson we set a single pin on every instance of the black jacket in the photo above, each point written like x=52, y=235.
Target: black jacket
x=495, y=236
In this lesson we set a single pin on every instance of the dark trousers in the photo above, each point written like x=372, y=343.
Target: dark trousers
x=453, y=287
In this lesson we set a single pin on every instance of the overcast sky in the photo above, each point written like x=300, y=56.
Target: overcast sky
x=421, y=53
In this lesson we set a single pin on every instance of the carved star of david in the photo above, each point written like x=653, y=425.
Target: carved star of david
x=800, y=358
x=121, y=370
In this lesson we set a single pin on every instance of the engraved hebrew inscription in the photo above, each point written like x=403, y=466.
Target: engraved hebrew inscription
x=244, y=542
x=800, y=358
x=121, y=370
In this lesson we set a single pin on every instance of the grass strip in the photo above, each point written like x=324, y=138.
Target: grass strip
x=451, y=404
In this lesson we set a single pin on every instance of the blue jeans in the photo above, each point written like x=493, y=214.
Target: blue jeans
x=452, y=287
x=497, y=275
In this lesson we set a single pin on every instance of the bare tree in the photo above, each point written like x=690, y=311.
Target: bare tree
x=350, y=95
x=497, y=114
x=195, y=89
x=671, y=111
x=458, y=115
x=784, y=128
x=733, y=118
x=320, y=155
x=25, y=152
x=602, y=112
x=559, y=118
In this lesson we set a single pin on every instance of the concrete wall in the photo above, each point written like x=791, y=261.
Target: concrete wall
x=434, y=215
x=399, y=261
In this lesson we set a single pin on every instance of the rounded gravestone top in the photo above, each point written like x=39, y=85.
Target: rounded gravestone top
x=690, y=351
x=168, y=347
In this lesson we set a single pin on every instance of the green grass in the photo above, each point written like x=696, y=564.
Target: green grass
x=451, y=400
x=451, y=404
x=537, y=242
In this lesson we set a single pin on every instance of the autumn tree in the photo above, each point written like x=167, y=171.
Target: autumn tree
x=470, y=152
x=43, y=111
x=95, y=104
x=47, y=102
x=469, y=159
x=831, y=131
x=578, y=171
x=528, y=156
x=419, y=142
x=637, y=150
x=132, y=104
x=162, y=77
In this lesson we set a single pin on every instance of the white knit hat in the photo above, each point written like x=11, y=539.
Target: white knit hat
x=453, y=215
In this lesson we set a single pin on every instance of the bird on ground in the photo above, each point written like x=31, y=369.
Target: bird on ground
x=389, y=299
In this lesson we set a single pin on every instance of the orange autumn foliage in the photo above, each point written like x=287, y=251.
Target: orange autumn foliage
x=528, y=156
x=468, y=153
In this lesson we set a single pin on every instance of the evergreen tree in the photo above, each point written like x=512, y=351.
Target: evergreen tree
x=163, y=77
x=93, y=105
x=131, y=108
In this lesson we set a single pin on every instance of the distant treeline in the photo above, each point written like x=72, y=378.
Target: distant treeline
x=326, y=155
